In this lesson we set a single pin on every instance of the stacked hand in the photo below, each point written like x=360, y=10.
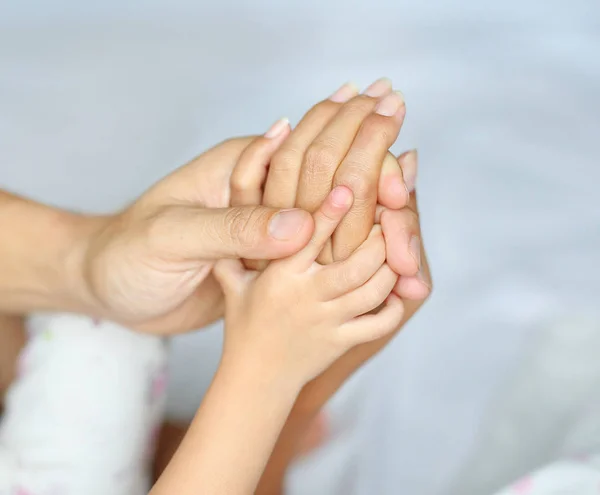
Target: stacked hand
x=149, y=266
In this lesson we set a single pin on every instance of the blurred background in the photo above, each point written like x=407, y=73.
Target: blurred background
x=500, y=372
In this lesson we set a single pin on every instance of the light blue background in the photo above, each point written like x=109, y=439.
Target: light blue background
x=99, y=100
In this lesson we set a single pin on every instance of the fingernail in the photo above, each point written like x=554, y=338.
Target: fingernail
x=379, y=88
x=345, y=93
x=398, y=188
x=286, y=224
x=390, y=105
x=422, y=276
x=341, y=196
x=409, y=170
x=277, y=128
x=414, y=247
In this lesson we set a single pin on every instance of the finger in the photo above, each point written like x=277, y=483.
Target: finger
x=344, y=276
x=282, y=181
x=392, y=192
x=417, y=288
x=361, y=169
x=254, y=232
x=230, y=273
x=370, y=295
x=214, y=166
x=372, y=327
x=409, y=163
x=330, y=146
x=250, y=173
x=326, y=219
x=402, y=239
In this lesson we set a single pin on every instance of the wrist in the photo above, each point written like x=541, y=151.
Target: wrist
x=41, y=257
x=80, y=233
x=250, y=369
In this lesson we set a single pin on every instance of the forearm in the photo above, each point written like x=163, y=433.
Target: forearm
x=231, y=438
x=311, y=400
x=12, y=340
x=40, y=256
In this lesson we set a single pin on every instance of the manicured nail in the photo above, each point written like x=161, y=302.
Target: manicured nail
x=286, y=224
x=345, y=93
x=379, y=88
x=409, y=167
x=390, y=105
x=277, y=128
x=414, y=247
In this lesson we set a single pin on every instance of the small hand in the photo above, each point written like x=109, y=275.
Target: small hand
x=300, y=316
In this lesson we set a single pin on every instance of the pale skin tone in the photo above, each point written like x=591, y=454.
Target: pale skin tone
x=351, y=126
x=148, y=267
x=316, y=155
x=283, y=328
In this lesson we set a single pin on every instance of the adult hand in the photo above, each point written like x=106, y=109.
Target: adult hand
x=344, y=140
x=149, y=266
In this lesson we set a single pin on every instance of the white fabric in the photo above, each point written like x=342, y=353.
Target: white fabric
x=98, y=100
x=82, y=417
x=569, y=477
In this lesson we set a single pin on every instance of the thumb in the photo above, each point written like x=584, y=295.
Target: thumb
x=252, y=232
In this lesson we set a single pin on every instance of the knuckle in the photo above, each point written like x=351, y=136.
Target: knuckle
x=379, y=291
x=320, y=156
x=351, y=276
x=358, y=182
x=360, y=106
x=378, y=132
x=242, y=225
x=238, y=181
x=325, y=107
x=285, y=160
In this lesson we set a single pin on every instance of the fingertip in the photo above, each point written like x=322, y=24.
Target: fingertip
x=412, y=288
x=408, y=162
x=279, y=129
x=399, y=243
x=341, y=197
x=393, y=193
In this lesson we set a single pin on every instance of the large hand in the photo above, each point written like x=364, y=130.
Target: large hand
x=149, y=266
x=344, y=141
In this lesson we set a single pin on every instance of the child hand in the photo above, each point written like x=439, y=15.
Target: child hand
x=297, y=317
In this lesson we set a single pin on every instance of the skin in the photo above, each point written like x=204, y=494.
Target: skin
x=386, y=194
x=345, y=142
x=314, y=314
x=12, y=329
x=148, y=266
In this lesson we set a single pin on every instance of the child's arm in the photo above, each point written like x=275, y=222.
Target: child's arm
x=230, y=439
x=283, y=328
